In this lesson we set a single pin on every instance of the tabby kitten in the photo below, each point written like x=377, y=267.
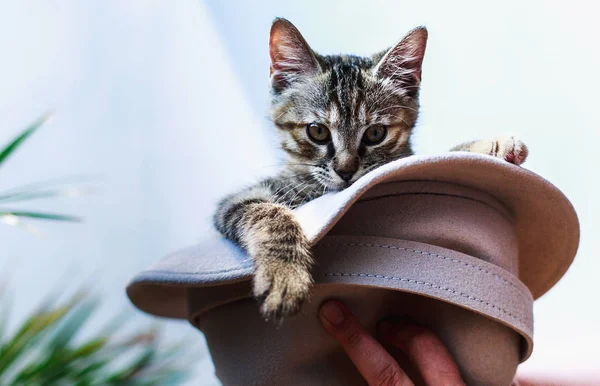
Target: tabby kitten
x=339, y=117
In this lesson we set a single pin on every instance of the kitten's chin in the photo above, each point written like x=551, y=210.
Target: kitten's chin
x=338, y=186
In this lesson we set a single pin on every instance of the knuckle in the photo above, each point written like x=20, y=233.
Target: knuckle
x=387, y=375
x=353, y=335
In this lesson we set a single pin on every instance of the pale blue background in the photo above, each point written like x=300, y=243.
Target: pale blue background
x=165, y=103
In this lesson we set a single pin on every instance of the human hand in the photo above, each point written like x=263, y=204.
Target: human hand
x=422, y=347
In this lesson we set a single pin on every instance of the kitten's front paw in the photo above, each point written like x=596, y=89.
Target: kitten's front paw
x=281, y=286
x=510, y=149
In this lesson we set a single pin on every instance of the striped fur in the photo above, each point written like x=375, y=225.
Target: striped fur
x=348, y=95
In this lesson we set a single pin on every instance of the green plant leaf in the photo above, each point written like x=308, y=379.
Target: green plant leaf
x=89, y=347
x=65, y=363
x=140, y=362
x=71, y=325
x=47, y=323
x=14, y=145
x=34, y=327
x=52, y=360
x=31, y=191
x=36, y=195
x=44, y=350
x=52, y=183
x=39, y=215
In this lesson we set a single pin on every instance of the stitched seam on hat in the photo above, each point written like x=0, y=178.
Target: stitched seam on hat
x=465, y=295
x=427, y=254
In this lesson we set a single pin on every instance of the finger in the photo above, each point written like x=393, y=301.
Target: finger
x=373, y=362
x=425, y=350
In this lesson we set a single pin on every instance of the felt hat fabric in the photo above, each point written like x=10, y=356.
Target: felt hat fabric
x=460, y=242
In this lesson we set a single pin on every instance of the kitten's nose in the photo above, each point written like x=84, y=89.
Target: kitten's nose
x=345, y=174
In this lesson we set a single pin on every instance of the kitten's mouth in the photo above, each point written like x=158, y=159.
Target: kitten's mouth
x=332, y=183
x=339, y=185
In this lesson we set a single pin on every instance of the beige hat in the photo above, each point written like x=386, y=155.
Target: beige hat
x=461, y=243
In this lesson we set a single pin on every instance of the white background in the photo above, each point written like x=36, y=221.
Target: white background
x=165, y=103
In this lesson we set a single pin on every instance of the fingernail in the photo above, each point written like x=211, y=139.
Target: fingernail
x=332, y=312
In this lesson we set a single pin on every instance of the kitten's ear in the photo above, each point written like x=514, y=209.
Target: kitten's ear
x=402, y=63
x=291, y=56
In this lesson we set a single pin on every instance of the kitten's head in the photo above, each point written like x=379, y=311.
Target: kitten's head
x=341, y=116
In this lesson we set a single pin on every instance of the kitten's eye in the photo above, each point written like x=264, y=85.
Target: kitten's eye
x=374, y=135
x=318, y=133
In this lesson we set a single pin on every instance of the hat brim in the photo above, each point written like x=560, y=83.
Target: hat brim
x=546, y=225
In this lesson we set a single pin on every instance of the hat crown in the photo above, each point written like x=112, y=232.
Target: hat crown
x=438, y=213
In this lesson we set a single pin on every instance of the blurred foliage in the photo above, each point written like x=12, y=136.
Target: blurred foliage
x=31, y=191
x=44, y=351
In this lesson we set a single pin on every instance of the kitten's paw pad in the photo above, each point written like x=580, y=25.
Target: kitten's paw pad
x=511, y=150
x=281, y=287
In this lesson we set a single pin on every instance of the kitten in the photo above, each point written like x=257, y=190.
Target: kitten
x=339, y=117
